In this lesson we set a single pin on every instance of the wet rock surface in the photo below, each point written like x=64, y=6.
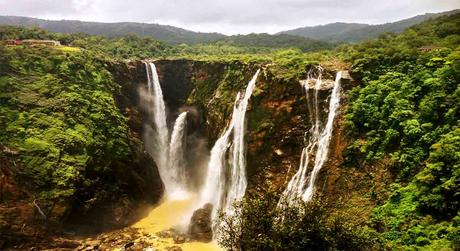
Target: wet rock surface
x=200, y=228
x=134, y=239
x=124, y=239
x=177, y=236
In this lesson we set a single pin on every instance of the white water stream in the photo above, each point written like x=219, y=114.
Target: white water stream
x=169, y=157
x=314, y=155
x=226, y=175
x=177, y=163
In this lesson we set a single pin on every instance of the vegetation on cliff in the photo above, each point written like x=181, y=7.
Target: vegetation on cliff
x=58, y=111
x=407, y=110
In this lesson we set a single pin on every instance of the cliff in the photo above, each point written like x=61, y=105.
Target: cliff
x=277, y=118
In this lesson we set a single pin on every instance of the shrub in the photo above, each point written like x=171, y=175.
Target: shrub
x=261, y=224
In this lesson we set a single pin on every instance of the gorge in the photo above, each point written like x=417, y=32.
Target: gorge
x=224, y=179
x=131, y=144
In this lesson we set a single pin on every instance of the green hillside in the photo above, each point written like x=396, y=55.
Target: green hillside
x=163, y=33
x=353, y=32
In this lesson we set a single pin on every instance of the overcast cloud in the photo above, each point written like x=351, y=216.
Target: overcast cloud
x=228, y=16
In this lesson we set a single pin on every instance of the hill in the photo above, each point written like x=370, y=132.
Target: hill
x=165, y=33
x=335, y=32
x=353, y=32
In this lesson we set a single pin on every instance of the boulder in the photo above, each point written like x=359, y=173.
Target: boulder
x=200, y=227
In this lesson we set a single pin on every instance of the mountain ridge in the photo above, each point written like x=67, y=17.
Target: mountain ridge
x=332, y=32
x=166, y=33
x=354, y=32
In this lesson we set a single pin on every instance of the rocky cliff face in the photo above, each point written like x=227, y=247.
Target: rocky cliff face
x=277, y=117
x=277, y=120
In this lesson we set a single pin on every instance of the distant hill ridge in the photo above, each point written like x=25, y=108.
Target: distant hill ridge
x=354, y=32
x=334, y=32
x=166, y=33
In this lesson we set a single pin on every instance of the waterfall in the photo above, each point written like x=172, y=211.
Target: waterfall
x=168, y=157
x=177, y=157
x=226, y=175
x=159, y=119
x=302, y=184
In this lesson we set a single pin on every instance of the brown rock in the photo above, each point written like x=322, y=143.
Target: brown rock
x=179, y=239
x=200, y=228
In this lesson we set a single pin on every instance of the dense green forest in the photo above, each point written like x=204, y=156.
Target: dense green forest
x=57, y=108
x=407, y=112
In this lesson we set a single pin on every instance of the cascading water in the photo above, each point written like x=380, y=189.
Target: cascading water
x=302, y=184
x=168, y=157
x=159, y=119
x=177, y=157
x=226, y=175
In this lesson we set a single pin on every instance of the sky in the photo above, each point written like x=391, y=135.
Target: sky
x=228, y=16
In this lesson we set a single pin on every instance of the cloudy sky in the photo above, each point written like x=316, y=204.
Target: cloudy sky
x=228, y=16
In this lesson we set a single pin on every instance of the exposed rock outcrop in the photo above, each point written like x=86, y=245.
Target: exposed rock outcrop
x=200, y=227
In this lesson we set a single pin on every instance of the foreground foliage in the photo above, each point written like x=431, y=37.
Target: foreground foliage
x=260, y=224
